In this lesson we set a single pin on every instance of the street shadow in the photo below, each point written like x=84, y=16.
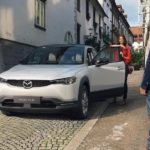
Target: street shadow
x=134, y=101
x=63, y=115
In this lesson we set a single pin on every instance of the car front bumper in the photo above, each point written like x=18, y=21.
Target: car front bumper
x=45, y=99
x=42, y=106
x=64, y=93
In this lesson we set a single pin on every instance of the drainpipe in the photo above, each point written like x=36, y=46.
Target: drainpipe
x=112, y=26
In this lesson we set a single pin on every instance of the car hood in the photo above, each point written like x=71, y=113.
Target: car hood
x=41, y=72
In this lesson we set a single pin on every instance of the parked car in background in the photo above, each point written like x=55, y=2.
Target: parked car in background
x=58, y=77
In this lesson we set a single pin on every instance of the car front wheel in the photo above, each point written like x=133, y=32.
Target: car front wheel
x=83, y=102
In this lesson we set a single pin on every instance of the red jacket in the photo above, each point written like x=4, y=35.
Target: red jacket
x=126, y=54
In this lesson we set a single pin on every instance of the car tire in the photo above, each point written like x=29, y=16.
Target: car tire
x=83, y=103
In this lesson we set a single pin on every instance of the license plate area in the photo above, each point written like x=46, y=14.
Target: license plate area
x=27, y=100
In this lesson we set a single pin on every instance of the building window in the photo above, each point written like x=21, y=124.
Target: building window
x=78, y=33
x=94, y=12
x=100, y=29
x=104, y=28
x=87, y=10
x=94, y=20
x=143, y=2
x=135, y=36
x=40, y=13
x=78, y=5
x=107, y=30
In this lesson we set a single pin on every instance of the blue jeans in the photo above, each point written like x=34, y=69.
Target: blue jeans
x=148, y=103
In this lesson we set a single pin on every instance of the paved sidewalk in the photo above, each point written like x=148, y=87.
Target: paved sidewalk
x=120, y=127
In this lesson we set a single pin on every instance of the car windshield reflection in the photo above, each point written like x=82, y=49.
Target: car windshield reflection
x=70, y=55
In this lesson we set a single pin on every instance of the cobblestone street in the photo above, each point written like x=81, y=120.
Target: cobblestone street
x=36, y=132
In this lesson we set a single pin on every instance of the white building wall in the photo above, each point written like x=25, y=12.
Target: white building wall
x=101, y=2
x=146, y=24
x=108, y=19
x=81, y=19
x=144, y=11
x=17, y=21
x=87, y=24
x=146, y=43
x=147, y=50
x=97, y=21
x=107, y=8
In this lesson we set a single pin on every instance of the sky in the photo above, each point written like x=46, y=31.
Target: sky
x=131, y=9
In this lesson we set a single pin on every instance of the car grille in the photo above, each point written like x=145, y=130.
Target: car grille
x=10, y=103
x=35, y=83
x=43, y=104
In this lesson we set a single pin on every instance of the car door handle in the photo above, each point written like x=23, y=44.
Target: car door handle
x=119, y=68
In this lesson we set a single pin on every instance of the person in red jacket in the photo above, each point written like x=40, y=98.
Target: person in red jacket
x=125, y=52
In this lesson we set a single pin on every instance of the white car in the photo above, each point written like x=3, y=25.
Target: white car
x=57, y=77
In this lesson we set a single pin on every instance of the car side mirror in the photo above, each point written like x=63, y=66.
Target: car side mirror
x=102, y=61
x=97, y=63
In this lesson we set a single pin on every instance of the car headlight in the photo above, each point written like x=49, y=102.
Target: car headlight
x=69, y=80
x=2, y=80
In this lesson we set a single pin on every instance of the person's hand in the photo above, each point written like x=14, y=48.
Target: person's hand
x=121, y=54
x=142, y=91
x=114, y=45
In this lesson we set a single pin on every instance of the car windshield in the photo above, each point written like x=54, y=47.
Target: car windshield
x=55, y=55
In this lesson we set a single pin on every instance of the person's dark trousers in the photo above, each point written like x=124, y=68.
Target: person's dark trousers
x=125, y=82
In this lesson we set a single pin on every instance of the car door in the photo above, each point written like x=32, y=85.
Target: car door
x=110, y=74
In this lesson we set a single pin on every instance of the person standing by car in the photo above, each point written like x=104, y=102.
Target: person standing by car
x=145, y=84
x=125, y=53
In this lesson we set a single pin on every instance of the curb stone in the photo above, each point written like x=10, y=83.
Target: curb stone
x=79, y=137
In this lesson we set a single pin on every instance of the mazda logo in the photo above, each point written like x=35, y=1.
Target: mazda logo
x=27, y=84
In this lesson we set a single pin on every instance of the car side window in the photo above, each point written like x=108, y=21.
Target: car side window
x=105, y=54
x=109, y=55
x=112, y=55
x=116, y=54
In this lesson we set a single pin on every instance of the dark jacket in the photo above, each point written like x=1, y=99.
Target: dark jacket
x=146, y=76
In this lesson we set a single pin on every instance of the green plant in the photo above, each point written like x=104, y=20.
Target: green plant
x=137, y=59
x=92, y=40
x=106, y=39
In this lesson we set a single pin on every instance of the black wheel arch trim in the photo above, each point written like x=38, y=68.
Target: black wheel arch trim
x=84, y=81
